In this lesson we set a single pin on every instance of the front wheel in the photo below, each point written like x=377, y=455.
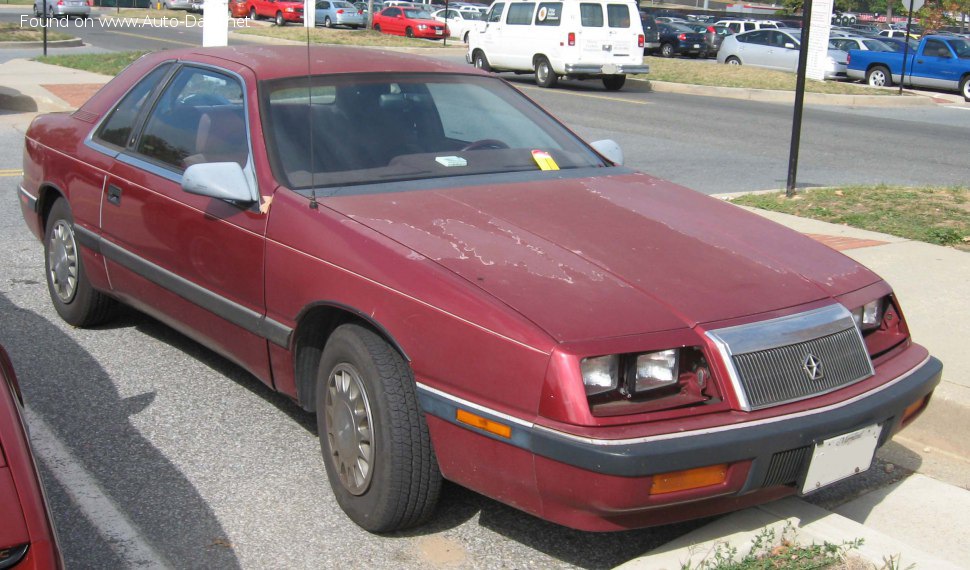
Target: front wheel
x=377, y=28
x=614, y=82
x=374, y=439
x=481, y=62
x=409, y=32
x=879, y=77
x=965, y=88
x=667, y=50
x=252, y=13
x=74, y=299
x=545, y=76
x=279, y=19
x=732, y=61
x=327, y=23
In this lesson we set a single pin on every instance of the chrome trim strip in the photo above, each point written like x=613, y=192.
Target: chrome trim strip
x=31, y=200
x=755, y=423
x=149, y=167
x=784, y=331
x=241, y=316
x=471, y=405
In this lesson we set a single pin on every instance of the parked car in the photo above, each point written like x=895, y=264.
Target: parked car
x=680, y=39
x=27, y=537
x=196, y=6
x=176, y=4
x=866, y=29
x=461, y=288
x=898, y=34
x=410, y=22
x=713, y=36
x=63, y=8
x=460, y=23
x=281, y=11
x=846, y=44
x=594, y=39
x=941, y=62
x=774, y=49
x=738, y=26
x=330, y=13
x=651, y=34
x=238, y=8
x=898, y=44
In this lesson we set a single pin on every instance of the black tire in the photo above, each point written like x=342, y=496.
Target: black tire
x=614, y=82
x=279, y=21
x=879, y=76
x=480, y=61
x=965, y=88
x=377, y=27
x=732, y=61
x=72, y=295
x=327, y=23
x=667, y=50
x=252, y=13
x=409, y=32
x=545, y=75
x=401, y=486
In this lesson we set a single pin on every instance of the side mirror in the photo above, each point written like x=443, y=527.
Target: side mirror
x=789, y=45
x=610, y=150
x=220, y=180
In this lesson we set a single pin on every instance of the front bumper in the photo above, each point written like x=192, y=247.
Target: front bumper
x=606, y=69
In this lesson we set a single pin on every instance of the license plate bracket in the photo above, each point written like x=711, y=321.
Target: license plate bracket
x=841, y=456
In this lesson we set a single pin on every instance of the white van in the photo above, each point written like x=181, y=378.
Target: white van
x=580, y=39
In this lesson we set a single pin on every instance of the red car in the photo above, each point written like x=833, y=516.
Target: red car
x=481, y=297
x=27, y=537
x=239, y=8
x=410, y=22
x=281, y=11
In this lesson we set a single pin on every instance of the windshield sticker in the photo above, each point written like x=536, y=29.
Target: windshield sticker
x=544, y=160
x=451, y=161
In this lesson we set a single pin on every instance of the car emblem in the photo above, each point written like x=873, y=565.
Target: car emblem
x=813, y=367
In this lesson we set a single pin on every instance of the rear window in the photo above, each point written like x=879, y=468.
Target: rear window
x=591, y=15
x=520, y=13
x=618, y=15
x=549, y=14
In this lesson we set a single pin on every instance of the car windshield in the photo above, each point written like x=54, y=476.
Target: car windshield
x=417, y=14
x=377, y=128
x=680, y=27
x=961, y=47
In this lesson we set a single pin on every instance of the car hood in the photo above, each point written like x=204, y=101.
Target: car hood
x=607, y=256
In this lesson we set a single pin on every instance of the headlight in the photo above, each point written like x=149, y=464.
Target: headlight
x=868, y=316
x=655, y=370
x=289, y=10
x=600, y=374
x=422, y=27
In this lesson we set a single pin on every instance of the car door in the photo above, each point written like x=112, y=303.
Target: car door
x=783, y=51
x=392, y=22
x=753, y=48
x=494, y=35
x=192, y=261
x=936, y=66
x=521, y=41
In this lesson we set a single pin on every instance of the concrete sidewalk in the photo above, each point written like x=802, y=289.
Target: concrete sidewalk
x=30, y=86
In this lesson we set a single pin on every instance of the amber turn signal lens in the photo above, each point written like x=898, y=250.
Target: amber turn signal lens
x=688, y=479
x=481, y=423
x=912, y=409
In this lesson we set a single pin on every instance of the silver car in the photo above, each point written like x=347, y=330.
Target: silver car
x=332, y=13
x=775, y=49
x=77, y=8
x=177, y=4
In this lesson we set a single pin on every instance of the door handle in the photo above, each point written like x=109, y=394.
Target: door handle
x=919, y=61
x=114, y=195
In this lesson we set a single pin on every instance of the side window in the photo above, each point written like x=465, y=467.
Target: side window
x=591, y=15
x=117, y=129
x=618, y=15
x=495, y=14
x=549, y=14
x=324, y=5
x=198, y=118
x=735, y=27
x=520, y=13
x=760, y=37
x=748, y=26
x=936, y=48
x=392, y=12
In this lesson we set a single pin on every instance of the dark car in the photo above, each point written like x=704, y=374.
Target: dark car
x=27, y=537
x=651, y=34
x=713, y=36
x=461, y=288
x=680, y=39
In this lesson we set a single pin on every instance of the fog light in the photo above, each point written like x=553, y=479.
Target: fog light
x=689, y=479
x=913, y=410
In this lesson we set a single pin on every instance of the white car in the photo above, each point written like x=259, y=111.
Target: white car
x=775, y=49
x=460, y=22
x=870, y=44
x=738, y=26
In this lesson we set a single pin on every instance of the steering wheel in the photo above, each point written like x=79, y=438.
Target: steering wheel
x=482, y=144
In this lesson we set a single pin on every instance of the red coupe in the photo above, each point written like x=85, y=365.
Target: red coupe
x=481, y=297
x=281, y=11
x=27, y=538
x=410, y=22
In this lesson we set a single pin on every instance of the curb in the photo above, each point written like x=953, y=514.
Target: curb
x=73, y=42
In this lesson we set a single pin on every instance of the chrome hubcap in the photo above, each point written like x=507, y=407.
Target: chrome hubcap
x=543, y=72
x=349, y=432
x=62, y=261
x=878, y=79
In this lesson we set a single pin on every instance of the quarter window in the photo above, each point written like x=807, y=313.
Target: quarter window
x=520, y=13
x=618, y=15
x=392, y=12
x=117, y=129
x=198, y=118
x=591, y=15
x=549, y=14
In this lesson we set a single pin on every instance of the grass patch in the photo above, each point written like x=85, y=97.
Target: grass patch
x=720, y=75
x=340, y=37
x=934, y=215
x=14, y=33
x=104, y=63
x=19, y=2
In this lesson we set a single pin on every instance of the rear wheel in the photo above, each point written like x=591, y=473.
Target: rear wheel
x=373, y=435
x=409, y=32
x=545, y=76
x=327, y=23
x=252, y=13
x=879, y=77
x=732, y=61
x=614, y=82
x=965, y=88
x=72, y=295
x=481, y=62
x=667, y=50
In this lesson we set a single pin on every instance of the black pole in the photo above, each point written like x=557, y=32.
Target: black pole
x=796, y=126
x=43, y=25
x=909, y=22
x=444, y=42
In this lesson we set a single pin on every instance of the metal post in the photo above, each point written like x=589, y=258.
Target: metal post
x=796, y=127
x=43, y=25
x=909, y=22
x=444, y=41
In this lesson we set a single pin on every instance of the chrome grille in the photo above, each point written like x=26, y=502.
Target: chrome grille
x=795, y=357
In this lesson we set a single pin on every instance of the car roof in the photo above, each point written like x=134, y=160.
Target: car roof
x=273, y=62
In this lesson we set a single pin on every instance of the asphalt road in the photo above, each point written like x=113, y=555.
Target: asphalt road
x=158, y=452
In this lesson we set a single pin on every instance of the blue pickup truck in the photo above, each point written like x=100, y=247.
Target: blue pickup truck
x=941, y=62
